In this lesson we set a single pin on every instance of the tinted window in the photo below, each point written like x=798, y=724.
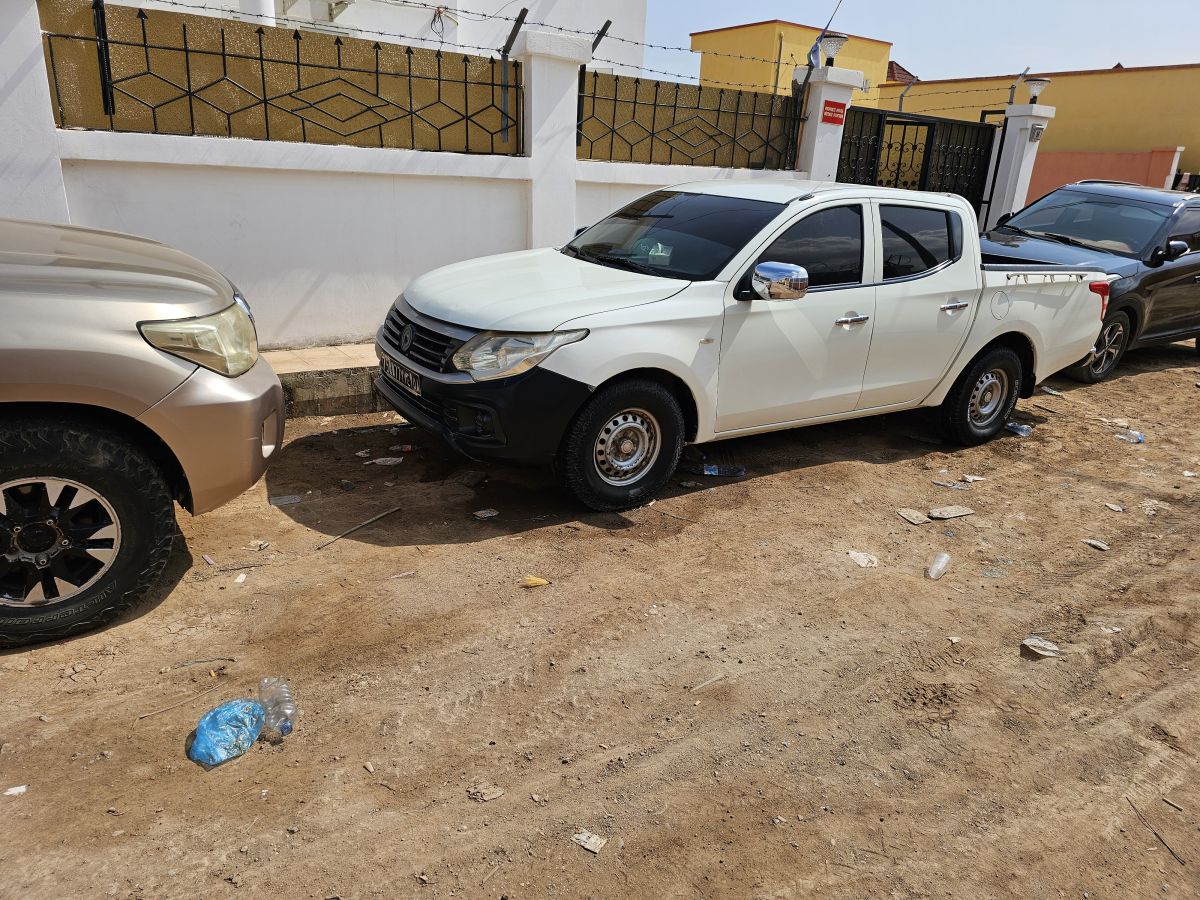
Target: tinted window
x=1120, y=226
x=1187, y=228
x=829, y=244
x=675, y=234
x=916, y=240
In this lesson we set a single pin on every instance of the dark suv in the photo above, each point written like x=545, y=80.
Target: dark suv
x=1148, y=237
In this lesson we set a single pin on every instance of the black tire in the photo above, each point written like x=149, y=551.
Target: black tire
x=1114, y=341
x=639, y=410
x=969, y=414
x=132, y=494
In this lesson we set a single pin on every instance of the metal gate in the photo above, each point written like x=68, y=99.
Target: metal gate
x=924, y=153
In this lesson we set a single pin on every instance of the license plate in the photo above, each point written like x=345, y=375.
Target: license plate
x=406, y=378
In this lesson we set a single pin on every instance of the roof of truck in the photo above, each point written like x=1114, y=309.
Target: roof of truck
x=781, y=189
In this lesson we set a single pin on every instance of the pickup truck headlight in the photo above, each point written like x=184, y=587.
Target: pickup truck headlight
x=224, y=342
x=492, y=355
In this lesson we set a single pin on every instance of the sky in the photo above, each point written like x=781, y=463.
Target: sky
x=949, y=38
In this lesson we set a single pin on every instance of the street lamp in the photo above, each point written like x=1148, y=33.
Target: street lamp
x=1036, y=86
x=831, y=45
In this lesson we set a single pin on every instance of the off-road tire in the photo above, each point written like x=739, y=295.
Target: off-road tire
x=1084, y=371
x=117, y=469
x=576, y=463
x=954, y=416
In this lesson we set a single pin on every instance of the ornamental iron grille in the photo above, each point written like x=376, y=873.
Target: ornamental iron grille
x=123, y=69
x=646, y=121
x=915, y=152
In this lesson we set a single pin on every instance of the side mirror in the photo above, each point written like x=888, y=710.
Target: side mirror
x=1004, y=218
x=1172, y=251
x=579, y=231
x=779, y=281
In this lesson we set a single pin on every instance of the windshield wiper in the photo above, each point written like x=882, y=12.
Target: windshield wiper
x=621, y=261
x=1018, y=230
x=1064, y=239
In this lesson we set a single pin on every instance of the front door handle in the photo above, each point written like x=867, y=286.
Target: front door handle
x=852, y=319
x=955, y=304
x=1196, y=279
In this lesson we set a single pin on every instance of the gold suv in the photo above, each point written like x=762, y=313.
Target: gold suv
x=129, y=379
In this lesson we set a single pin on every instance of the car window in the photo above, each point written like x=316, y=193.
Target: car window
x=828, y=243
x=1187, y=228
x=1117, y=225
x=917, y=239
x=675, y=234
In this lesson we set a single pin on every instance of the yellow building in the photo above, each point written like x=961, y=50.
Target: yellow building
x=763, y=54
x=1118, y=110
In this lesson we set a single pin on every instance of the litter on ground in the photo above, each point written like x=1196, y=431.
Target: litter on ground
x=1034, y=647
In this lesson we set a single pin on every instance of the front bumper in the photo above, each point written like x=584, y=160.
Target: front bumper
x=224, y=431
x=522, y=418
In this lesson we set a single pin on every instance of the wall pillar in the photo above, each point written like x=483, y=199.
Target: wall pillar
x=261, y=12
x=550, y=69
x=829, y=92
x=1023, y=128
x=31, y=178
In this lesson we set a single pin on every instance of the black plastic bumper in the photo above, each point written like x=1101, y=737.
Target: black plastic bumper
x=522, y=418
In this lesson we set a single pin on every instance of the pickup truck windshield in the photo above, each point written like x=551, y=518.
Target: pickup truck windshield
x=674, y=234
x=1109, y=224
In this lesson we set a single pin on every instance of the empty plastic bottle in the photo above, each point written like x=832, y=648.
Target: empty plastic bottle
x=279, y=706
x=1132, y=437
x=1019, y=429
x=937, y=567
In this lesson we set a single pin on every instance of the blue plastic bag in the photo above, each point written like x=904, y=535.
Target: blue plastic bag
x=226, y=732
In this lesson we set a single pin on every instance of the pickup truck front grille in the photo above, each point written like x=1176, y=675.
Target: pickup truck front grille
x=430, y=348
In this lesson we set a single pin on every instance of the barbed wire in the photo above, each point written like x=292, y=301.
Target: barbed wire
x=677, y=75
x=990, y=90
x=479, y=16
x=319, y=26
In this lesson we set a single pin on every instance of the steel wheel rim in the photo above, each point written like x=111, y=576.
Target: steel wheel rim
x=1108, y=348
x=988, y=398
x=627, y=446
x=57, y=538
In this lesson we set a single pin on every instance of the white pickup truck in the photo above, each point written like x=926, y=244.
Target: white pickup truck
x=718, y=309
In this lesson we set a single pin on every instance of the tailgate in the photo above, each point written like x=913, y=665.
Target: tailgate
x=1054, y=306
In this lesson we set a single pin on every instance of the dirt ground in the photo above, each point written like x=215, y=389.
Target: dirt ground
x=710, y=683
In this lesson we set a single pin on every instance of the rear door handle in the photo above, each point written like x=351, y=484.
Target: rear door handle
x=854, y=319
x=1196, y=279
x=955, y=304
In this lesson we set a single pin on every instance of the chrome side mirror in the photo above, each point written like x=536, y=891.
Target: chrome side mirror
x=779, y=281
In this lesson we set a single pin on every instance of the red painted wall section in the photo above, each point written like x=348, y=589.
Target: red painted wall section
x=1153, y=168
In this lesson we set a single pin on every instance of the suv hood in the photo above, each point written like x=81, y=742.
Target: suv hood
x=1009, y=247
x=68, y=262
x=531, y=290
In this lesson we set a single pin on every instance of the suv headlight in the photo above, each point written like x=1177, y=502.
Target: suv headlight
x=224, y=342
x=492, y=355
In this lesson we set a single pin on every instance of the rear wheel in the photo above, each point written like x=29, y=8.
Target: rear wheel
x=86, y=527
x=979, y=404
x=1108, y=352
x=623, y=445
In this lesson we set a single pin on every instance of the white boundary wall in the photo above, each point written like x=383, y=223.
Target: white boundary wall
x=321, y=239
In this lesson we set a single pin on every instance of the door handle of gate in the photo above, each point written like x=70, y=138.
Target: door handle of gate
x=955, y=304
x=851, y=320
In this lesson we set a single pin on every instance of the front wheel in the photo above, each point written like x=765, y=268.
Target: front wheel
x=623, y=446
x=1108, y=352
x=979, y=404
x=86, y=527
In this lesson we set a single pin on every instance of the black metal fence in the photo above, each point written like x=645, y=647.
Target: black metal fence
x=646, y=121
x=123, y=69
x=916, y=152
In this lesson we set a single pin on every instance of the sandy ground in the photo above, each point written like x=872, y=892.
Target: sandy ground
x=710, y=683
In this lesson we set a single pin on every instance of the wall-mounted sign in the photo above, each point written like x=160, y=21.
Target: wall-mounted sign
x=833, y=113
x=1036, y=132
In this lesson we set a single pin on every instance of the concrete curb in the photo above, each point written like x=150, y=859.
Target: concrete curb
x=332, y=392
